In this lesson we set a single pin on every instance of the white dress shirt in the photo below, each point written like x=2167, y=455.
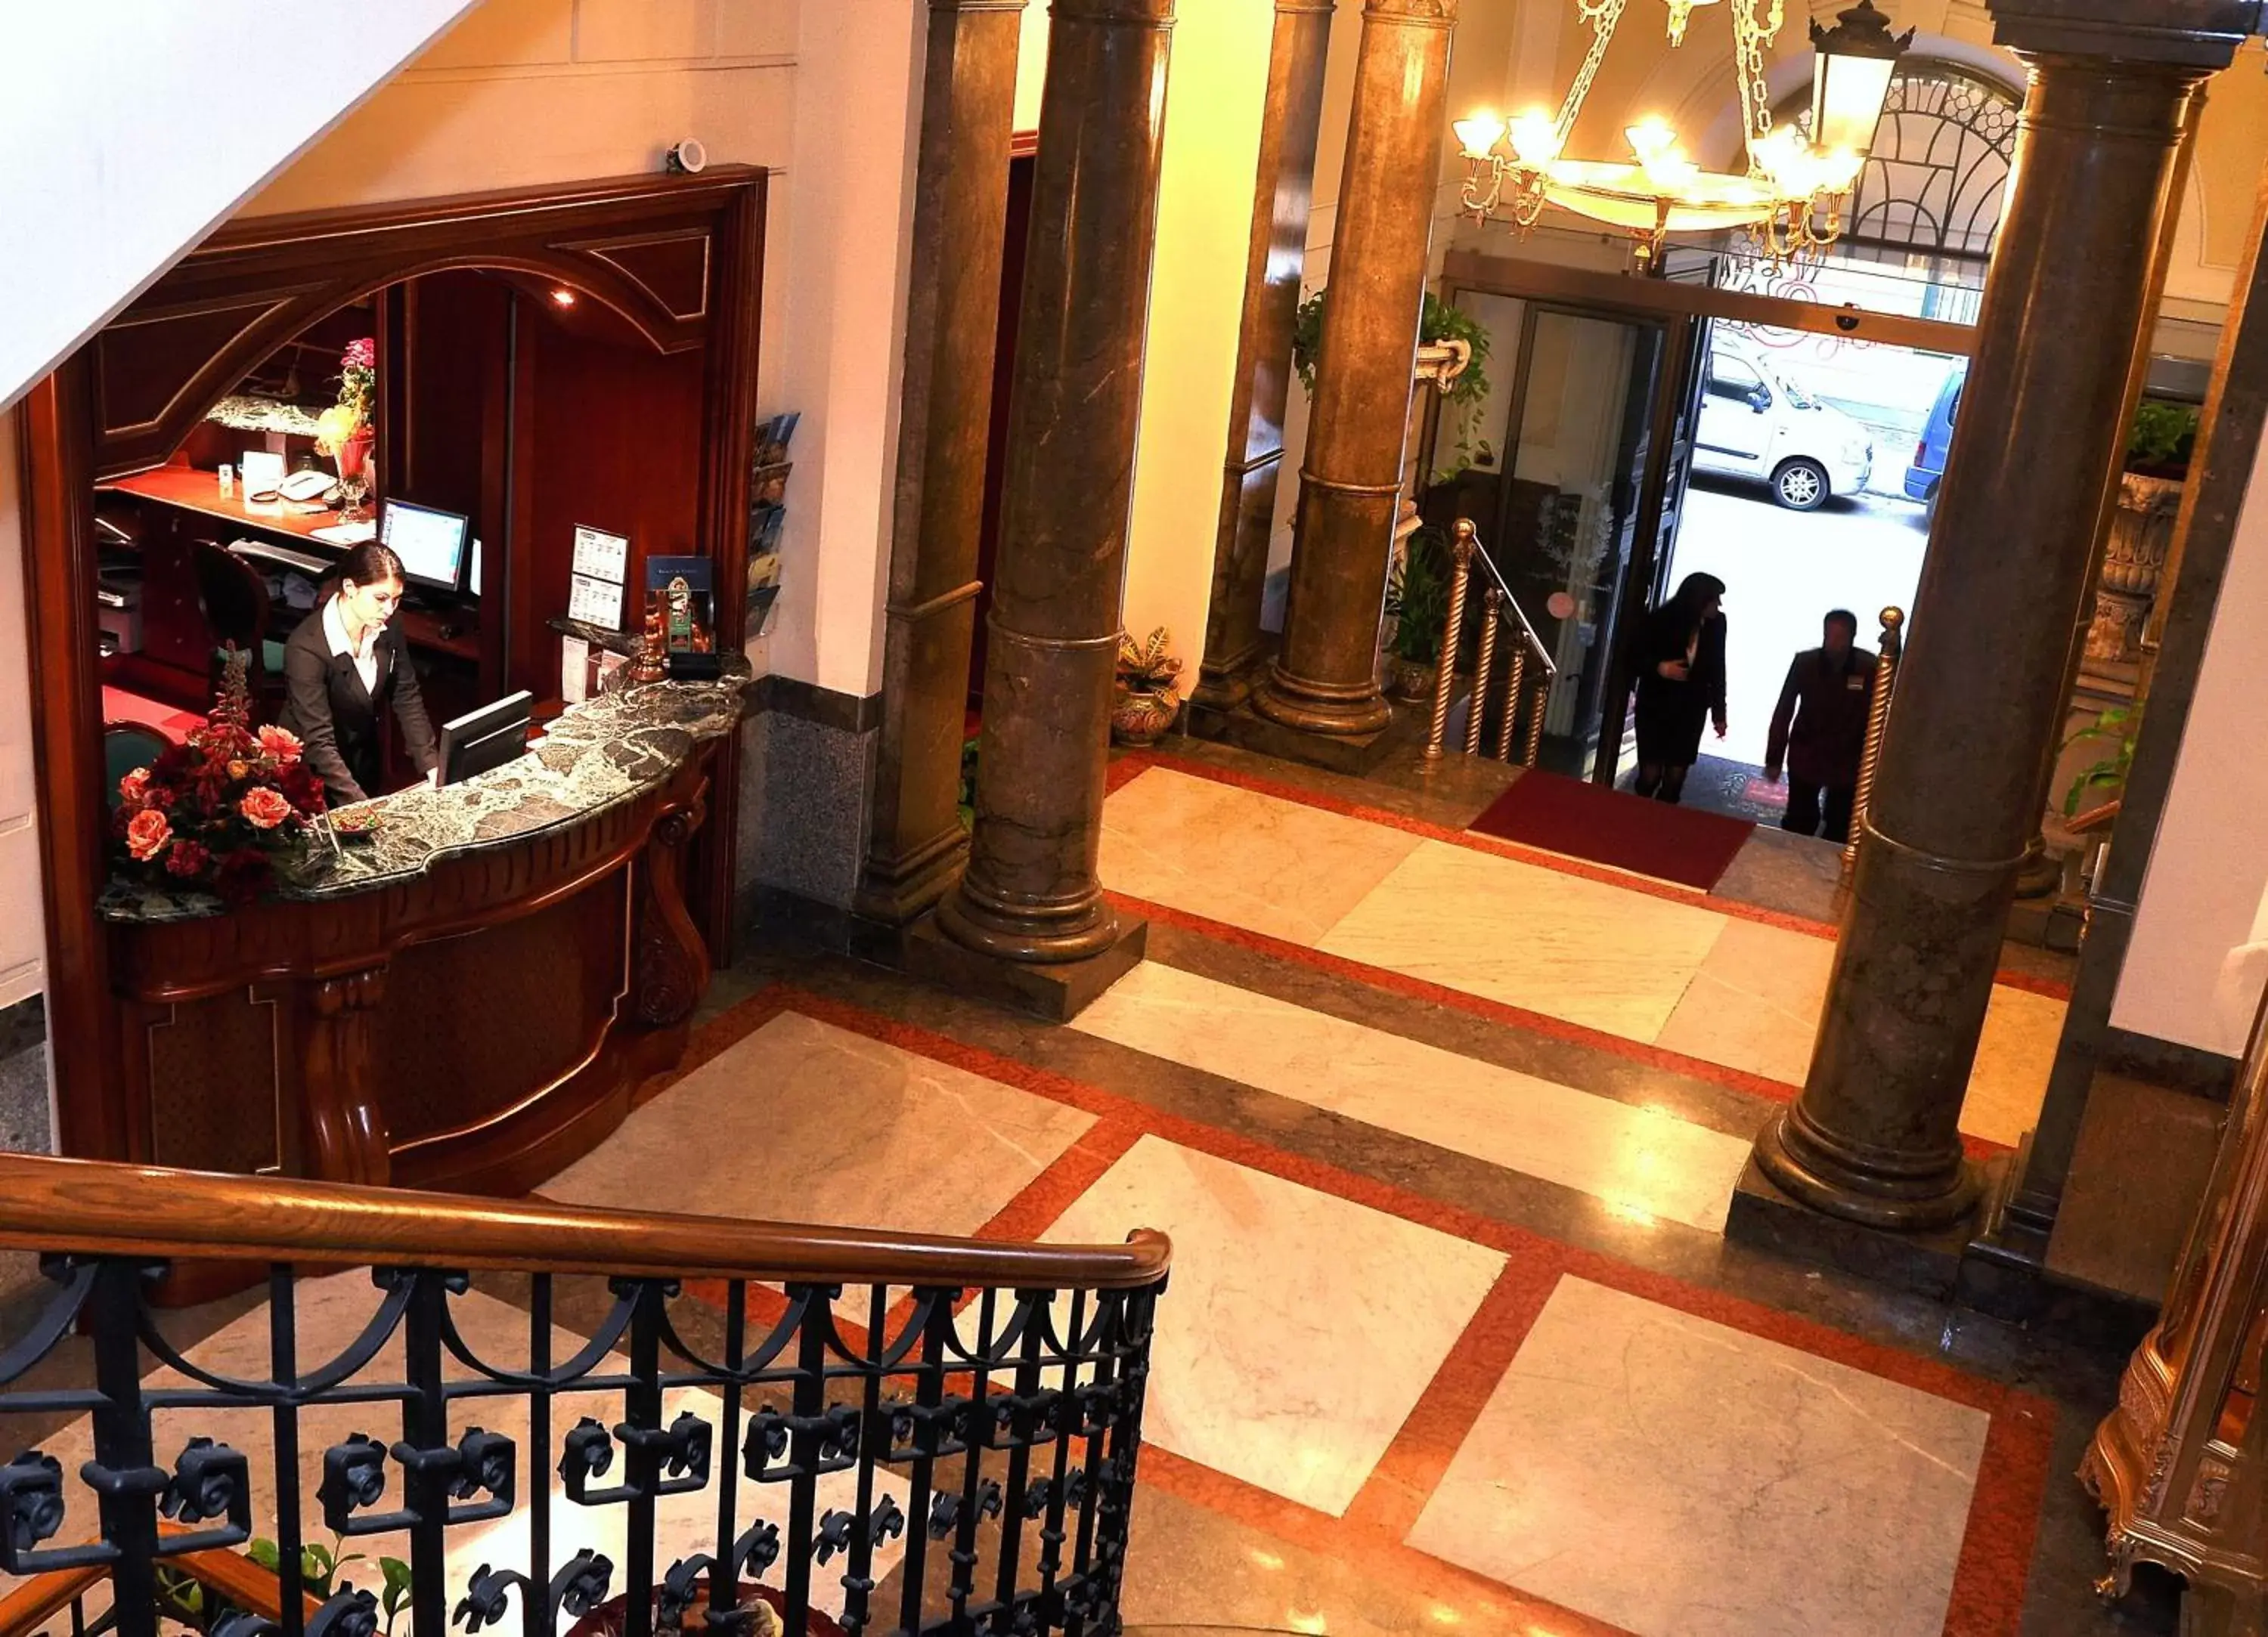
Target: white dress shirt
x=365, y=657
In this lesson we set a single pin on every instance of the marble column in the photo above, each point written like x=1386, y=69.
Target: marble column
x=1031, y=896
x=914, y=838
x=1289, y=129
x=1325, y=678
x=1874, y=1137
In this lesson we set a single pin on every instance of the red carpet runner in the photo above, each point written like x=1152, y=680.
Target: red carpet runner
x=1583, y=820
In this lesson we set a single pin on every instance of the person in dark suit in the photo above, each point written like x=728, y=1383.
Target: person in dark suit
x=1681, y=684
x=340, y=668
x=1819, y=729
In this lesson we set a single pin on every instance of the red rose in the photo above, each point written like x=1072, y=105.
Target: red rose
x=134, y=788
x=187, y=858
x=264, y=809
x=147, y=834
x=281, y=743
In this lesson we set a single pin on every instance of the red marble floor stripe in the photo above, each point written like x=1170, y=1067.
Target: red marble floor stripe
x=1128, y=768
x=1494, y=1011
x=1478, y=1604
x=2004, y=1519
x=1125, y=769
x=1398, y=1487
x=1043, y=1199
x=713, y=1038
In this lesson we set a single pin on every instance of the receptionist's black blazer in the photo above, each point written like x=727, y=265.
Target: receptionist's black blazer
x=337, y=720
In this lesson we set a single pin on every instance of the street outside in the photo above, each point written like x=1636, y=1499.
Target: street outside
x=1783, y=571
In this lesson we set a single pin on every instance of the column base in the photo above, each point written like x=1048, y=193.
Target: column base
x=1224, y=687
x=1357, y=755
x=1340, y=713
x=898, y=891
x=1767, y=1217
x=1883, y=1190
x=1057, y=991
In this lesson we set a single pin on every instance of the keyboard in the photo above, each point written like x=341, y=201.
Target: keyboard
x=283, y=556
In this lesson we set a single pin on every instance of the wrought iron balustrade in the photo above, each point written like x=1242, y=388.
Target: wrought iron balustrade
x=972, y=1429
x=1500, y=613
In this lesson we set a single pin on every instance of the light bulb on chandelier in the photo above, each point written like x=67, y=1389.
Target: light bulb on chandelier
x=1793, y=193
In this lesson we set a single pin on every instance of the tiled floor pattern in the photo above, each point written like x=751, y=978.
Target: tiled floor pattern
x=1541, y=1439
x=1627, y=960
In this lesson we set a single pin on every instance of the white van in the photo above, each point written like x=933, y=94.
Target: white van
x=1757, y=422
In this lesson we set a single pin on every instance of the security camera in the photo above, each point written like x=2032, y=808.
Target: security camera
x=686, y=158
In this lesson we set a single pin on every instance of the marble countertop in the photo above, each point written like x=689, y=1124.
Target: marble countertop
x=606, y=751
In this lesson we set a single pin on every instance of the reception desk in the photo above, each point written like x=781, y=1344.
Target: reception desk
x=468, y=999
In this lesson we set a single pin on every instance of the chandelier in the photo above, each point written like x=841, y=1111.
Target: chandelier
x=1793, y=194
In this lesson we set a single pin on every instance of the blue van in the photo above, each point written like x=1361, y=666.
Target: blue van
x=1928, y=468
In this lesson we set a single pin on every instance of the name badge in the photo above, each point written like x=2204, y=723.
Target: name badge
x=1857, y=685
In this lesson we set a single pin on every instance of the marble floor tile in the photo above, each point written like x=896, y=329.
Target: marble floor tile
x=1300, y=1329
x=1640, y=1161
x=1683, y=1478
x=1257, y=862
x=1755, y=1001
x=1593, y=954
x=802, y=1121
x=329, y=1313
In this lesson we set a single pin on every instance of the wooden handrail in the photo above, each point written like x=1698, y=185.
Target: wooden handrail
x=107, y=1209
x=40, y=1597
x=234, y=1577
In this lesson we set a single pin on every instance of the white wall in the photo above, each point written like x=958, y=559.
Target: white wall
x=2195, y=970
x=129, y=129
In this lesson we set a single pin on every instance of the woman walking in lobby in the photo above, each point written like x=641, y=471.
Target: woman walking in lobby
x=1681, y=684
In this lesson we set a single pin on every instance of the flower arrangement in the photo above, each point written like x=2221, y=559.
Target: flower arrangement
x=211, y=812
x=358, y=381
x=1145, y=699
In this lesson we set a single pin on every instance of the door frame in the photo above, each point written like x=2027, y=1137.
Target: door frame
x=1682, y=312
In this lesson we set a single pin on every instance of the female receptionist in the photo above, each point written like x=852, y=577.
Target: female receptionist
x=341, y=666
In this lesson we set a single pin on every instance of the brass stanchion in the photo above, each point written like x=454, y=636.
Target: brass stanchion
x=1878, y=717
x=1542, y=697
x=1444, y=676
x=1493, y=611
x=1512, y=686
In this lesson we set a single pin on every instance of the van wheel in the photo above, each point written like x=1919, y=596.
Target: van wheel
x=1929, y=507
x=1801, y=485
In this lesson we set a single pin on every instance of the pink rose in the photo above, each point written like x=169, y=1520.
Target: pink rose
x=147, y=836
x=264, y=809
x=134, y=788
x=361, y=355
x=281, y=743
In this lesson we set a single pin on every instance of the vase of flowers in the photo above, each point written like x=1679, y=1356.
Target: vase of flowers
x=213, y=811
x=344, y=431
x=1143, y=701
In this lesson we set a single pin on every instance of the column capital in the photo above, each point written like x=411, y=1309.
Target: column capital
x=2191, y=33
x=1441, y=12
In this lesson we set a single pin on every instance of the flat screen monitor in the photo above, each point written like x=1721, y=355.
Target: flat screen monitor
x=485, y=738
x=431, y=543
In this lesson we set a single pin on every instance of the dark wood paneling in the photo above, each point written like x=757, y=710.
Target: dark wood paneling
x=212, y=1084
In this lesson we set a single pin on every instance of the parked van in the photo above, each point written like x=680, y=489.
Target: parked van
x=1927, y=471
x=1756, y=421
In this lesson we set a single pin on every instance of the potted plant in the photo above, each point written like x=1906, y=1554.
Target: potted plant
x=2118, y=728
x=1418, y=602
x=1144, y=702
x=2158, y=445
x=1439, y=321
x=214, y=811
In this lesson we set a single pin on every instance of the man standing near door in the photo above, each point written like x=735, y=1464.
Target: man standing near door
x=1819, y=729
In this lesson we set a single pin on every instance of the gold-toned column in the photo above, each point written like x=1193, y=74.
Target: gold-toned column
x=1453, y=632
x=1325, y=679
x=1030, y=895
x=914, y=839
x=1516, y=685
x=1483, y=667
x=1878, y=722
x=1289, y=128
x=1874, y=1137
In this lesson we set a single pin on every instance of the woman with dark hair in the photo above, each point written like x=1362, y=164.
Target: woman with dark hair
x=1681, y=684
x=341, y=666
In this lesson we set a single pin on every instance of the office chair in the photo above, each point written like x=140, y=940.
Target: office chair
x=233, y=596
x=127, y=745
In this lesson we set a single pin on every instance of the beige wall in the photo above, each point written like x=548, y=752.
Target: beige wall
x=23, y=936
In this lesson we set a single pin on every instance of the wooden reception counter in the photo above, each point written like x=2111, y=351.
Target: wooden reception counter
x=465, y=1000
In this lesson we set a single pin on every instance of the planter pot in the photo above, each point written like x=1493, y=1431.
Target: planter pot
x=605, y=1620
x=2133, y=560
x=1408, y=682
x=1141, y=719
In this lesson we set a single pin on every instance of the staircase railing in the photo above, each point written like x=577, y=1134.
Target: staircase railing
x=962, y=1414
x=1500, y=609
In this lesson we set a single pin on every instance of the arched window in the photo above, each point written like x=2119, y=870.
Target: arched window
x=1929, y=198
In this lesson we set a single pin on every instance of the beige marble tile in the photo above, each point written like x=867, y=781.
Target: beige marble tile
x=329, y=1313
x=1300, y=1329
x=802, y=1121
x=1640, y=1161
x=1755, y=1003
x=1257, y=862
x=1681, y=1479
x=1579, y=949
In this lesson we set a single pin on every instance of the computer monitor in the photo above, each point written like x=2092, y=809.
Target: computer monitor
x=430, y=542
x=485, y=738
